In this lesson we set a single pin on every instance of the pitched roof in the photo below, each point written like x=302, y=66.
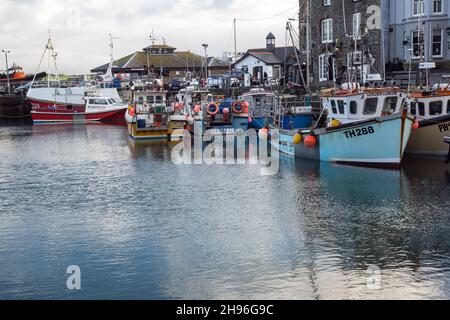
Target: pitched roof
x=277, y=55
x=270, y=36
x=138, y=60
x=217, y=63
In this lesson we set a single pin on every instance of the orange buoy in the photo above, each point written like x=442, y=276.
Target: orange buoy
x=416, y=126
x=132, y=112
x=310, y=141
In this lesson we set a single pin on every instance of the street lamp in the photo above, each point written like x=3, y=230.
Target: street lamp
x=7, y=71
x=205, y=46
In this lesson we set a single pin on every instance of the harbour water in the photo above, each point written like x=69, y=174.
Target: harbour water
x=140, y=227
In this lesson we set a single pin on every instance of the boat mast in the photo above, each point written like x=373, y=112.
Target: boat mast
x=7, y=69
x=235, y=43
x=111, y=56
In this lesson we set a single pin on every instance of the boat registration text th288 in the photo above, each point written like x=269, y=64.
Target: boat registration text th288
x=359, y=132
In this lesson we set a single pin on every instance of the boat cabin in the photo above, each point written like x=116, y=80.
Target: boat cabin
x=152, y=109
x=100, y=103
x=261, y=102
x=429, y=107
x=364, y=105
x=151, y=102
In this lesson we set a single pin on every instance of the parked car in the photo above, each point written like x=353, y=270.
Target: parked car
x=177, y=84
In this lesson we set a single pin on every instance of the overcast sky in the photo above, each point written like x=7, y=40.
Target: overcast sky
x=80, y=28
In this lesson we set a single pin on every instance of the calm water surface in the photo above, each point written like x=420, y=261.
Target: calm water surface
x=140, y=227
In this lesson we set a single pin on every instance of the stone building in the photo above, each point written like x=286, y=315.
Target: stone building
x=347, y=39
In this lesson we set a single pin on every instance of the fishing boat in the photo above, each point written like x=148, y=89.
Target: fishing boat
x=96, y=107
x=221, y=117
x=291, y=114
x=260, y=103
x=432, y=111
x=367, y=127
x=51, y=102
x=151, y=117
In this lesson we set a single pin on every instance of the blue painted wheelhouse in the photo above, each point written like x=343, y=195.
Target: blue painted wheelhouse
x=261, y=103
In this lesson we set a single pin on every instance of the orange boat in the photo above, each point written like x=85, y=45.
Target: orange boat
x=15, y=73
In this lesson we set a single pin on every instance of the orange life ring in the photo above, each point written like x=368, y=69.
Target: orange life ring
x=216, y=109
x=220, y=99
x=236, y=104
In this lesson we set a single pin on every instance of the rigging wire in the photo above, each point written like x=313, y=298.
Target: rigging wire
x=269, y=17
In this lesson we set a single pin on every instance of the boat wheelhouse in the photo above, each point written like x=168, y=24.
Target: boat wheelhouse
x=348, y=106
x=260, y=106
x=432, y=111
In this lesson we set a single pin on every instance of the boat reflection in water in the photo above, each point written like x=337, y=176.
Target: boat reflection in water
x=141, y=226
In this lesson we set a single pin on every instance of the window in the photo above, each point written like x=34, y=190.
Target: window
x=371, y=106
x=356, y=26
x=437, y=43
x=323, y=68
x=418, y=44
x=437, y=6
x=448, y=106
x=333, y=106
x=435, y=108
x=150, y=99
x=327, y=31
x=159, y=99
x=353, y=107
x=418, y=7
x=327, y=3
x=390, y=105
x=341, y=106
x=98, y=101
x=413, y=108
x=422, y=109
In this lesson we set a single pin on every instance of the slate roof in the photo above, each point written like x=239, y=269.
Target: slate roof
x=278, y=55
x=138, y=60
x=217, y=63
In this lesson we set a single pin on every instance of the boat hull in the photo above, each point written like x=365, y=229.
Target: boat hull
x=172, y=132
x=258, y=123
x=379, y=143
x=428, y=138
x=14, y=108
x=113, y=116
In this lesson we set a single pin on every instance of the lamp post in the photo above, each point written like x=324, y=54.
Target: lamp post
x=205, y=46
x=7, y=71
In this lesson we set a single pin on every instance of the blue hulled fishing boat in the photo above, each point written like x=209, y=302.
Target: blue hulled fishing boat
x=354, y=133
